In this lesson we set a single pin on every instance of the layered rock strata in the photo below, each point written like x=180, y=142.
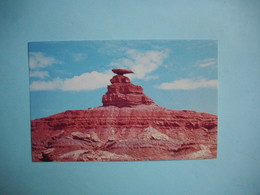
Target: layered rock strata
x=122, y=93
x=129, y=126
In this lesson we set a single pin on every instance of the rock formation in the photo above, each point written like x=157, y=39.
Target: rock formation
x=122, y=93
x=129, y=126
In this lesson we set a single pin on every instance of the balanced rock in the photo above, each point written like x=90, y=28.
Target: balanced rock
x=121, y=71
x=122, y=93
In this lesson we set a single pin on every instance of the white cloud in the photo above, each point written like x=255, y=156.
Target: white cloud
x=40, y=60
x=39, y=74
x=188, y=84
x=79, y=56
x=46, y=85
x=142, y=63
x=86, y=81
x=207, y=62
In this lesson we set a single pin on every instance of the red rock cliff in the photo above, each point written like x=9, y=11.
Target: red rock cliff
x=129, y=126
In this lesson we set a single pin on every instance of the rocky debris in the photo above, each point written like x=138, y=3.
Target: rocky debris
x=124, y=130
x=152, y=134
x=47, y=155
x=87, y=155
x=84, y=137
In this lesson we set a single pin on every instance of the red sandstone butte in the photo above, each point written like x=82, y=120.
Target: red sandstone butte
x=129, y=126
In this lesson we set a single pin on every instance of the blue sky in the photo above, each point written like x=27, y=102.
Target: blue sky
x=71, y=75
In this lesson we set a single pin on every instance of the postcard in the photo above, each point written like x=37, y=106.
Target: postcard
x=125, y=100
